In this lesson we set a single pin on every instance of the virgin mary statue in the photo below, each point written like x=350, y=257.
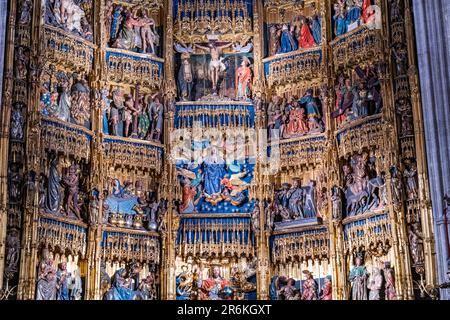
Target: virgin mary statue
x=214, y=171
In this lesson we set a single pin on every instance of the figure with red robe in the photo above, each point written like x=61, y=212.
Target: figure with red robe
x=213, y=287
x=297, y=124
x=327, y=290
x=306, y=38
x=365, y=13
x=309, y=287
x=244, y=80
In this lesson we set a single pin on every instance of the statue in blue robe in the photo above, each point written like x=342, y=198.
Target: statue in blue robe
x=62, y=279
x=312, y=110
x=214, y=171
x=53, y=192
x=353, y=12
x=296, y=200
x=120, y=289
x=316, y=28
x=288, y=43
x=122, y=200
x=340, y=21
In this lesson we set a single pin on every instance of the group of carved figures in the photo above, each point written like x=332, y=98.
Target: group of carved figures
x=365, y=190
x=357, y=100
x=57, y=283
x=294, y=202
x=67, y=98
x=71, y=15
x=129, y=205
x=290, y=118
x=139, y=117
x=378, y=285
x=130, y=28
x=190, y=284
x=350, y=14
x=283, y=288
x=303, y=32
x=126, y=284
x=193, y=84
x=60, y=194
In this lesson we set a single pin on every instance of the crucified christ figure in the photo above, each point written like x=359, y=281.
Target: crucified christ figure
x=216, y=65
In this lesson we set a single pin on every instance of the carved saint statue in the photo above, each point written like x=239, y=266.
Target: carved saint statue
x=327, y=290
x=390, y=292
x=244, y=80
x=53, y=198
x=71, y=182
x=375, y=284
x=358, y=278
x=309, y=287
x=213, y=287
x=46, y=278
x=185, y=78
x=62, y=281
x=416, y=243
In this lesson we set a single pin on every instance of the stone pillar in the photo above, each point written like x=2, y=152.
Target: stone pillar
x=3, y=12
x=432, y=30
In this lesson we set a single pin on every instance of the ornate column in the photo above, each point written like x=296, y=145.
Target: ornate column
x=261, y=236
x=169, y=180
x=432, y=35
x=98, y=172
x=5, y=114
x=28, y=259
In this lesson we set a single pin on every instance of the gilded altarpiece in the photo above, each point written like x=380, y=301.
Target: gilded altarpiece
x=213, y=150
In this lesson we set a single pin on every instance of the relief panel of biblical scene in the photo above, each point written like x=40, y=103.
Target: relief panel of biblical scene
x=296, y=204
x=221, y=281
x=295, y=117
x=66, y=96
x=132, y=27
x=59, y=276
x=364, y=187
x=73, y=16
x=349, y=15
x=132, y=113
x=214, y=71
x=292, y=30
x=62, y=188
x=212, y=184
x=308, y=288
x=132, y=203
x=357, y=96
x=129, y=281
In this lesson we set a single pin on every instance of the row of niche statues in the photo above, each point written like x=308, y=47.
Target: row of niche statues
x=57, y=283
x=302, y=32
x=357, y=99
x=350, y=14
x=203, y=79
x=377, y=285
x=139, y=116
x=190, y=284
x=293, y=117
x=66, y=97
x=294, y=202
x=126, y=283
x=130, y=28
x=284, y=288
x=129, y=205
x=365, y=189
x=75, y=16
